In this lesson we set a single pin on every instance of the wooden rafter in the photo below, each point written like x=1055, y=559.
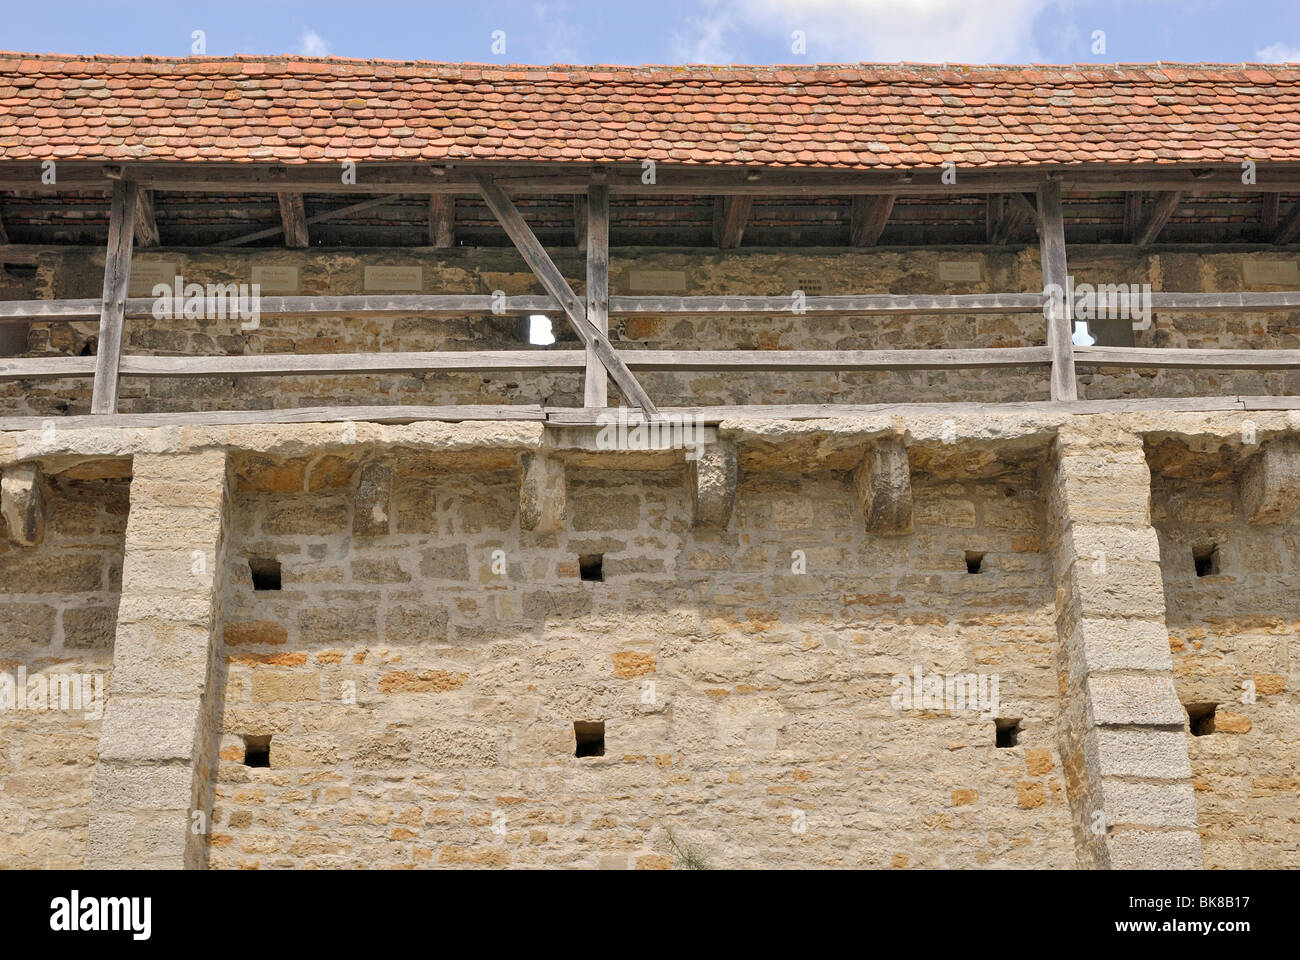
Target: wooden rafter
x=316, y=218
x=553, y=282
x=442, y=220
x=1007, y=215
x=1290, y=227
x=1270, y=210
x=1132, y=214
x=146, y=226
x=729, y=217
x=1156, y=216
x=868, y=218
x=580, y=222
x=293, y=217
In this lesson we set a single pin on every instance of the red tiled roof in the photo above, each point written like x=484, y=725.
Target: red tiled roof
x=855, y=116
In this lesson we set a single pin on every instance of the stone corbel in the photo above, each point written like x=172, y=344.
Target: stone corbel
x=22, y=502
x=884, y=485
x=712, y=482
x=542, y=493
x=1270, y=485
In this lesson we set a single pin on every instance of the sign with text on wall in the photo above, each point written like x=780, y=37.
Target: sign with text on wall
x=1263, y=273
x=275, y=281
x=960, y=271
x=387, y=279
x=147, y=274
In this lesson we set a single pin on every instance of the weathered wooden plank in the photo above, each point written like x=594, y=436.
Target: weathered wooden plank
x=370, y=414
x=45, y=368
x=296, y=364
x=1132, y=214
x=1288, y=228
x=730, y=214
x=595, y=391
x=575, y=416
x=868, y=218
x=674, y=179
x=117, y=278
x=1271, y=403
x=1010, y=217
x=146, y=225
x=1270, y=210
x=293, y=218
x=451, y=305
x=1154, y=220
x=1022, y=203
x=1173, y=357
x=866, y=304
x=315, y=218
x=580, y=223
x=290, y=364
x=553, y=281
x=442, y=220
x=1051, y=243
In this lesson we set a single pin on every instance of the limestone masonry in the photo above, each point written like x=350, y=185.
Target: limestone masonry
x=408, y=694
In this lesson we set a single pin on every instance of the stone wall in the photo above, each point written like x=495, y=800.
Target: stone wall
x=1237, y=624
x=633, y=271
x=58, y=612
x=414, y=669
x=421, y=707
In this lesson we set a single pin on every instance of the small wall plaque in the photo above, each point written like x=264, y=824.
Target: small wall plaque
x=144, y=275
x=960, y=271
x=1263, y=273
x=394, y=279
x=276, y=280
x=656, y=281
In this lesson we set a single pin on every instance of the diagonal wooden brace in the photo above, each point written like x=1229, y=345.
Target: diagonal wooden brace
x=553, y=282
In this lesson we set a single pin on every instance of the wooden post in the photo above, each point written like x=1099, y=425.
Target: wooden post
x=293, y=217
x=1051, y=245
x=596, y=389
x=117, y=279
x=442, y=220
x=550, y=277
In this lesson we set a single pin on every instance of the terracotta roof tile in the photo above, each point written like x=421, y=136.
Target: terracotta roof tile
x=855, y=116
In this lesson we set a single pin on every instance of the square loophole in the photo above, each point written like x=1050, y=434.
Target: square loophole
x=1006, y=732
x=1206, y=559
x=591, y=566
x=590, y=737
x=974, y=562
x=1200, y=717
x=257, y=750
x=265, y=572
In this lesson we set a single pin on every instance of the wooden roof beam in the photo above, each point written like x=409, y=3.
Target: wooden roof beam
x=442, y=220
x=146, y=226
x=293, y=217
x=1154, y=220
x=1288, y=228
x=729, y=216
x=868, y=219
x=1007, y=214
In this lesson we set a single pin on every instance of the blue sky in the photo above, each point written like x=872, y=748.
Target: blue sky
x=674, y=31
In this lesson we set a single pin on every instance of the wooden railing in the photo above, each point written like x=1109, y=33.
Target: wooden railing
x=563, y=360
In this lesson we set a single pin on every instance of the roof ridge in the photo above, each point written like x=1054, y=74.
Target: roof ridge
x=683, y=69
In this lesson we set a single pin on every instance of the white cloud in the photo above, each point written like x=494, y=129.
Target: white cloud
x=312, y=44
x=952, y=31
x=1278, y=53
